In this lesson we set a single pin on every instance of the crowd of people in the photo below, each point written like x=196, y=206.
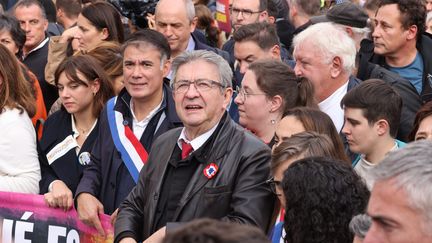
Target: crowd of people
x=299, y=125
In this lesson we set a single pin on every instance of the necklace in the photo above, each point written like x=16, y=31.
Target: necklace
x=84, y=132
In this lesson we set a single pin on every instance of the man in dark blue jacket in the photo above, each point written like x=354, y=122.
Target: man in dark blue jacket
x=129, y=124
x=176, y=20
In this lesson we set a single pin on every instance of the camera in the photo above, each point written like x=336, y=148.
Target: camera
x=136, y=10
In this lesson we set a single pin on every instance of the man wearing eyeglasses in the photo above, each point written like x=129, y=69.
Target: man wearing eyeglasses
x=243, y=12
x=210, y=168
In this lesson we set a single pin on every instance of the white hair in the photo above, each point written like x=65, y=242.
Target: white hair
x=190, y=8
x=331, y=42
x=411, y=167
x=224, y=70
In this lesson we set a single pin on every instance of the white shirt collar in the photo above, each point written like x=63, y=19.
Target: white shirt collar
x=150, y=115
x=198, y=141
x=140, y=126
x=191, y=44
x=37, y=47
x=190, y=47
x=76, y=133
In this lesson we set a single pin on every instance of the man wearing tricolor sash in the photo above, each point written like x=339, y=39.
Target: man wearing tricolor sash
x=129, y=124
x=210, y=168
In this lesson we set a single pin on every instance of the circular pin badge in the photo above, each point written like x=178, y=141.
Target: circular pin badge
x=210, y=170
x=84, y=158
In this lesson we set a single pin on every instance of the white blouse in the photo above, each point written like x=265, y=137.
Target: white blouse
x=19, y=164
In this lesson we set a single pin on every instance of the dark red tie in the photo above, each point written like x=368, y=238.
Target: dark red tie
x=186, y=149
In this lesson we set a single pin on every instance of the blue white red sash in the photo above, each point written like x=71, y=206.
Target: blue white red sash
x=132, y=152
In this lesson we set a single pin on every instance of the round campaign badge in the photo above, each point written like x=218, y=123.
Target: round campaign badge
x=211, y=170
x=84, y=158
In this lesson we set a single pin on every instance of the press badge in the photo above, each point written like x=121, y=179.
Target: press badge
x=61, y=149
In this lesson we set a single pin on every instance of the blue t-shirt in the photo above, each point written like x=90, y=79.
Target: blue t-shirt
x=413, y=72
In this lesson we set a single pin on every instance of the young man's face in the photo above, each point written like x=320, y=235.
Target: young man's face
x=361, y=135
x=247, y=52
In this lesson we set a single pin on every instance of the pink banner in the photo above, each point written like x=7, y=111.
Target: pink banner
x=223, y=15
x=26, y=218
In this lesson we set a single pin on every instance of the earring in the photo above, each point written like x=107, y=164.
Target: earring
x=272, y=121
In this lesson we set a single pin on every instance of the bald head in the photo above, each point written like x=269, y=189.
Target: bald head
x=175, y=19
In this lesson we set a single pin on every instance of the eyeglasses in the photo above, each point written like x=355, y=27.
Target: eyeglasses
x=273, y=184
x=243, y=94
x=246, y=13
x=202, y=85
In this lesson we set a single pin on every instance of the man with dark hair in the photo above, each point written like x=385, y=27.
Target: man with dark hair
x=211, y=168
x=300, y=12
x=322, y=195
x=243, y=12
x=400, y=45
x=67, y=12
x=372, y=112
x=128, y=125
x=254, y=42
x=32, y=18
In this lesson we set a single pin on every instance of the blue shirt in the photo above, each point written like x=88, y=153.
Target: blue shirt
x=413, y=72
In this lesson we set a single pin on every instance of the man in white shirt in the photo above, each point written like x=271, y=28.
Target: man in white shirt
x=325, y=55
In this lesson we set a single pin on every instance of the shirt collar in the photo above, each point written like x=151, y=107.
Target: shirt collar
x=191, y=44
x=190, y=47
x=198, y=141
x=151, y=114
x=75, y=131
x=37, y=47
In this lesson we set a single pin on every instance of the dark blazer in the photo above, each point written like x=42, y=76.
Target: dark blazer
x=106, y=177
x=424, y=45
x=411, y=100
x=67, y=168
x=237, y=193
x=36, y=62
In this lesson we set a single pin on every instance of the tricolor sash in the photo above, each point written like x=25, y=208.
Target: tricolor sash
x=132, y=152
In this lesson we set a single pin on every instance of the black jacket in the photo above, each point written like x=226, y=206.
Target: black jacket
x=67, y=168
x=411, y=100
x=36, y=62
x=424, y=46
x=237, y=193
x=106, y=177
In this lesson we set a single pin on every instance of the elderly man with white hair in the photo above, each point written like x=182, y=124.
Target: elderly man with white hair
x=325, y=55
x=401, y=202
x=211, y=168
